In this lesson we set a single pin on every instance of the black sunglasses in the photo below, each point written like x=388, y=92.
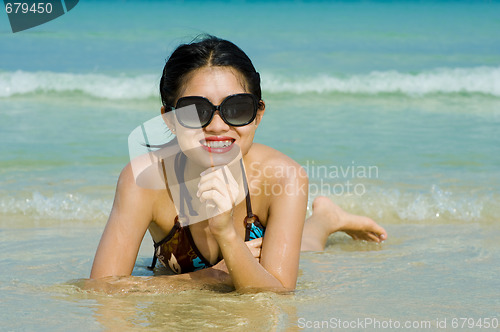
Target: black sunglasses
x=235, y=110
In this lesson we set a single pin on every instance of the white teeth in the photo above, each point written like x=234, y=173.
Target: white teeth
x=217, y=144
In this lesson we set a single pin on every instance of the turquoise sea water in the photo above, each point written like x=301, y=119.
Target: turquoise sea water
x=408, y=90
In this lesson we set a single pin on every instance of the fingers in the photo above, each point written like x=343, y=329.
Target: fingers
x=211, y=193
x=255, y=253
x=217, y=186
x=256, y=243
x=215, y=203
x=221, y=180
x=222, y=173
x=255, y=247
x=219, y=189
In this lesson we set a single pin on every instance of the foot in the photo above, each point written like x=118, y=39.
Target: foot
x=336, y=219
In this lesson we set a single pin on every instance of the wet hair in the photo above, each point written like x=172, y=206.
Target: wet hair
x=205, y=51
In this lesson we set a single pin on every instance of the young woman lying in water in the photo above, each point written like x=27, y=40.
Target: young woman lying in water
x=244, y=235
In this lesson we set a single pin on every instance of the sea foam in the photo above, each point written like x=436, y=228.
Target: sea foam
x=482, y=80
x=435, y=205
x=58, y=207
x=94, y=85
x=395, y=206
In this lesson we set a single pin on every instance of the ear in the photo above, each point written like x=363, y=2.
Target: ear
x=260, y=112
x=168, y=117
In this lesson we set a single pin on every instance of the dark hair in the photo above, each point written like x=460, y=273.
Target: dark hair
x=204, y=51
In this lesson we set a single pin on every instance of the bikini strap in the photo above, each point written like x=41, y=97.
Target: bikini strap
x=251, y=219
x=180, y=164
x=245, y=186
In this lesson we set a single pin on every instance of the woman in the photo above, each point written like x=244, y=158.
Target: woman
x=231, y=206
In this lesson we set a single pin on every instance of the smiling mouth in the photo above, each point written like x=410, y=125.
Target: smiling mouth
x=217, y=144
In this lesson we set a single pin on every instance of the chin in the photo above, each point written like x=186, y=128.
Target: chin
x=213, y=157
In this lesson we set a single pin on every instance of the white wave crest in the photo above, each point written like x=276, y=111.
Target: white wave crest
x=95, y=85
x=484, y=80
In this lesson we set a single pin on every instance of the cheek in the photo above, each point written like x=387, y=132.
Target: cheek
x=188, y=138
x=246, y=134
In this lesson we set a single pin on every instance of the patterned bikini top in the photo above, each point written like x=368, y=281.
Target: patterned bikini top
x=178, y=250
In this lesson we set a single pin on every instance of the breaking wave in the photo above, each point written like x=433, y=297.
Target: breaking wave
x=476, y=80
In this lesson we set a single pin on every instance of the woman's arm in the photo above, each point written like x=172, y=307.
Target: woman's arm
x=129, y=219
x=117, y=251
x=212, y=278
x=278, y=267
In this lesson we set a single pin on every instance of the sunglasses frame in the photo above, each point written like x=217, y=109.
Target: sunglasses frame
x=218, y=108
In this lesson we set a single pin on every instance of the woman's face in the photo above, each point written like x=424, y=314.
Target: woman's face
x=199, y=145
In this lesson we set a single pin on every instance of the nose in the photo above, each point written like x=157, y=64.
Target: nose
x=217, y=125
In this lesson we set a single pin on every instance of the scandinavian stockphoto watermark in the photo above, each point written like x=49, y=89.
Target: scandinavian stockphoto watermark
x=339, y=180
x=328, y=180
x=25, y=15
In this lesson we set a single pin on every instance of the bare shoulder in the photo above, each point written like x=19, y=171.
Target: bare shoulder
x=127, y=181
x=129, y=192
x=274, y=165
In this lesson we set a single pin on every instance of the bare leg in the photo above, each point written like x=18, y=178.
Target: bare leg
x=328, y=218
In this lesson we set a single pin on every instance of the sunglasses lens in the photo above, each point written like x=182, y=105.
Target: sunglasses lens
x=239, y=110
x=194, y=117
x=236, y=110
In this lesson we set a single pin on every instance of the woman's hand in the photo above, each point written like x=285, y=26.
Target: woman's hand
x=218, y=190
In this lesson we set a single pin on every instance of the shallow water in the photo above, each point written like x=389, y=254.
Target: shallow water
x=407, y=91
x=422, y=273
